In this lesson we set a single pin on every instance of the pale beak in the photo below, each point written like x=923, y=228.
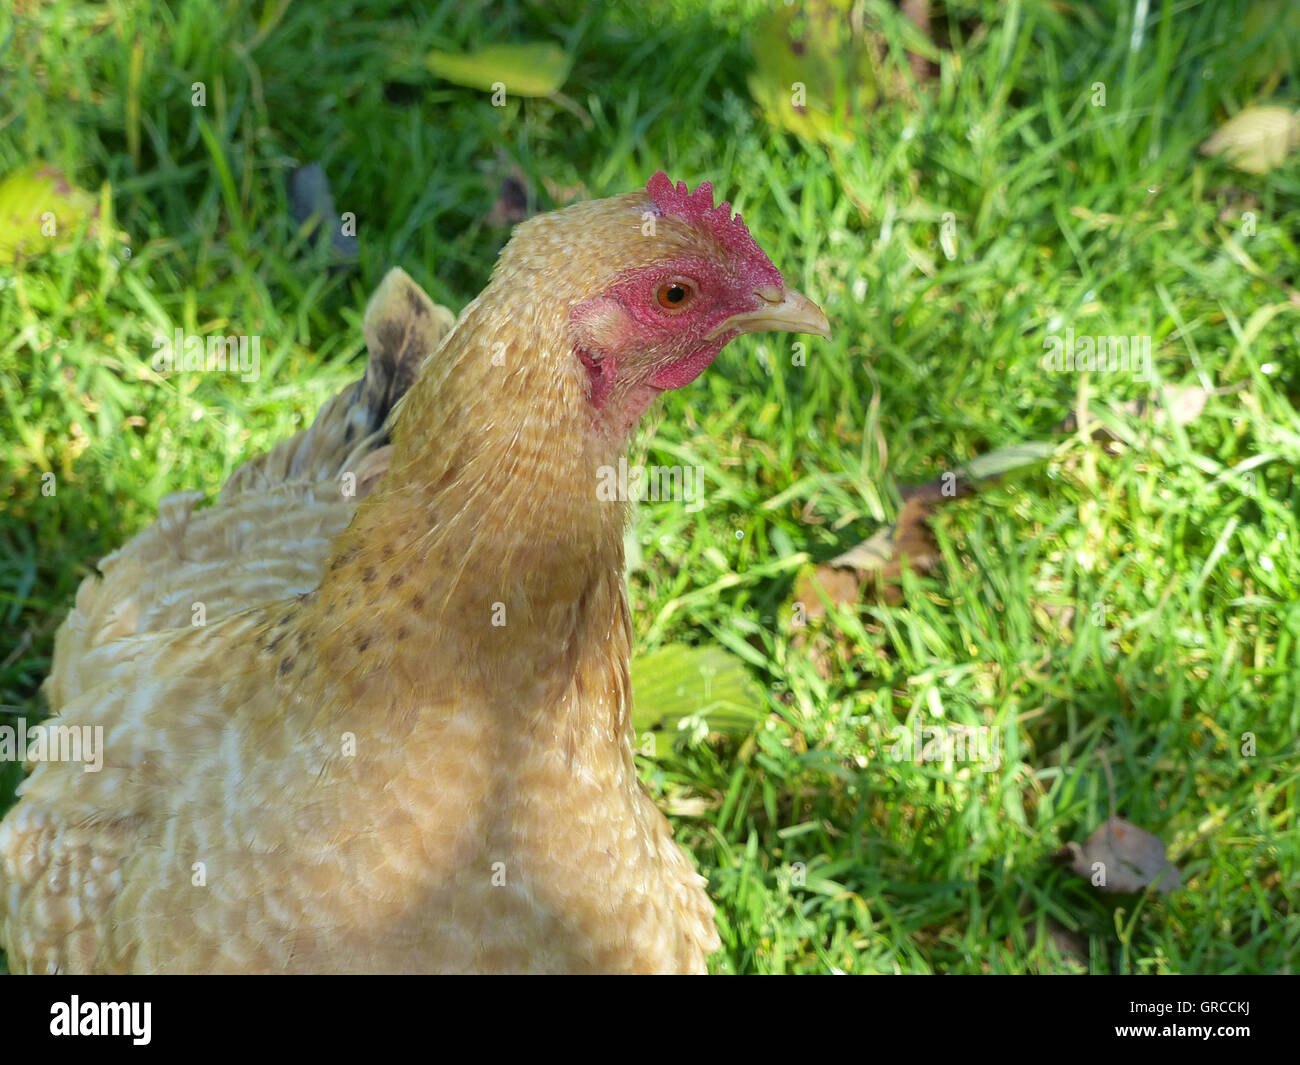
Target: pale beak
x=783, y=312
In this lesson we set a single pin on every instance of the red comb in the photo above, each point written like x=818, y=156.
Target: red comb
x=698, y=207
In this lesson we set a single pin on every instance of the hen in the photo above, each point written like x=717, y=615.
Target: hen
x=399, y=738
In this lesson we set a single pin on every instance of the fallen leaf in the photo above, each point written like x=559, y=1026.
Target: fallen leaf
x=535, y=69
x=1120, y=858
x=1004, y=460
x=908, y=538
x=1182, y=405
x=839, y=586
x=821, y=66
x=1256, y=139
x=38, y=207
x=878, y=561
x=815, y=70
x=680, y=682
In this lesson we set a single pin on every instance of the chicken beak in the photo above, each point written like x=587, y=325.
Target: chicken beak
x=784, y=312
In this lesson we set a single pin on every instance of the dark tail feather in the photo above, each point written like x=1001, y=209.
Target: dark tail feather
x=403, y=327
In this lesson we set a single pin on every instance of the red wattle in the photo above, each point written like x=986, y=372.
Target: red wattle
x=684, y=371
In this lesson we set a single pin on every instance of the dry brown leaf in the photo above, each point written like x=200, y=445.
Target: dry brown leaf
x=839, y=586
x=876, y=565
x=876, y=562
x=1120, y=858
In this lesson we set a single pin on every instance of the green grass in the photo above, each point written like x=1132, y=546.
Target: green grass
x=1133, y=607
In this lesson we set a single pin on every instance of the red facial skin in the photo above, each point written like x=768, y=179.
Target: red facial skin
x=633, y=348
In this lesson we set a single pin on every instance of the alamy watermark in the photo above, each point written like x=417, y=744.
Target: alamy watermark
x=948, y=744
x=636, y=484
x=77, y=1018
x=53, y=743
x=1097, y=354
x=229, y=354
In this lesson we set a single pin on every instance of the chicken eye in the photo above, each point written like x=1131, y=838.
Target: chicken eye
x=674, y=295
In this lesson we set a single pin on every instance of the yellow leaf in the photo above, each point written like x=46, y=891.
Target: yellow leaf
x=524, y=69
x=38, y=207
x=814, y=72
x=1256, y=139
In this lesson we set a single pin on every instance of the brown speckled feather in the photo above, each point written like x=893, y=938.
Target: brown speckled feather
x=266, y=540
x=268, y=537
